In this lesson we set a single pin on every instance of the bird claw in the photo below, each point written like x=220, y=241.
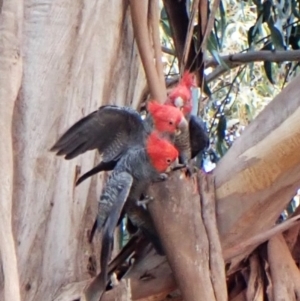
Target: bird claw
x=190, y=169
x=144, y=202
x=162, y=177
x=114, y=280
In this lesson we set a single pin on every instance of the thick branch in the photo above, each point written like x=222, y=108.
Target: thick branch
x=11, y=60
x=284, y=272
x=154, y=20
x=261, y=171
x=185, y=242
x=139, y=21
x=216, y=261
x=255, y=288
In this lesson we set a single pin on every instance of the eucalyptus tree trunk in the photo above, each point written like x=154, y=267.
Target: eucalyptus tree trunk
x=60, y=60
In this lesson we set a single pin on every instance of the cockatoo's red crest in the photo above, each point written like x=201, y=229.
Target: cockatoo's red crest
x=181, y=95
x=188, y=80
x=160, y=151
x=167, y=119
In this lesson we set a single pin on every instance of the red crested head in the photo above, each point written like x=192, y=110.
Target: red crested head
x=181, y=95
x=161, y=152
x=166, y=119
x=188, y=80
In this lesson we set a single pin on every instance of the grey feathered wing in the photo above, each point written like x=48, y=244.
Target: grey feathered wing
x=111, y=130
x=122, y=182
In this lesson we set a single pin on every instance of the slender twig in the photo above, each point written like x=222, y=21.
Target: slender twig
x=286, y=75
x=189, y=35
x=225, y=98
x=255, y=56
x=210, y=24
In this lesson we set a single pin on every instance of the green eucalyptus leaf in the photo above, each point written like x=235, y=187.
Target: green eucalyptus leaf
x=212, y=43
x=206, y=89
x=223, y=23
x=219, y=59
x=221, y=128
x=276, y=36
x=166, y=28
x=268, y=71
x=296, y=11
x=266, y=10
x=249, y=111
x=221, y=148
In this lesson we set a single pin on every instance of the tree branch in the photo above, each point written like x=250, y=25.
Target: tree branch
x=189, y=36
x=154, y=20
x=284, y=272
x=255, y=56
x=206, y=188
x=178, y=200
x=139, y=12
x=235, y=60
x=260, y=173
x=255, y=287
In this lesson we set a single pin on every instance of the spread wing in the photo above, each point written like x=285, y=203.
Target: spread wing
x=198, y=135
x=111, y=130
x=116, y=194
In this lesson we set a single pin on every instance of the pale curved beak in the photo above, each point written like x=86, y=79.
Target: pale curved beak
x=182, y=126
x=174, y=166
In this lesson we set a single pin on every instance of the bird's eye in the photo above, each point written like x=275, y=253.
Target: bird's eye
x=169, y=161
x=171, y=122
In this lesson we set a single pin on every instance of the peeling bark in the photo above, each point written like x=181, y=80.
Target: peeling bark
x=216, y=261
x=255, y=283
x=284, y=272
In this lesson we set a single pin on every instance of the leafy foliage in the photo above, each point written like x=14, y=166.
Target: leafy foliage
x=238, y=94
x=232, y=98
